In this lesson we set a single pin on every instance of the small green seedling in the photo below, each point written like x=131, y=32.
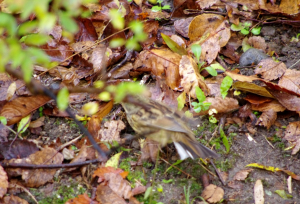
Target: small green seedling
x=201, y=105
x=244, y=28
x=196, y=49
x=295, y=39
x=159, y=7
x=225, y=86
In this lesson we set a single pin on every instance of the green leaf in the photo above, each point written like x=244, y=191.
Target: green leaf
x=205, y=105
x=127, y=88
x=181, y=100
x=140, y=37
x=234, y=27
x=27, y=68
x=166, y=7
x=27, y=27
x=39, y=55
x=245, y=45
x=211, y=71
x=283, y=194
x=200, y=94
x=217, y=66
x=174, y=164
x=256, y=31
x=147, y=193
x=67, y=22
x=117, y=19
x=156, y=8
x=117, y=42
x=63, y=99
x=197, y=109
x=160, y=188
x=136, y=27
x=47, y=22
x=225, y=86
x=132, y=44
x=3, y=120
x=245, y=31
x=167, y=181
x=196, y=49
x=114, y=160
x=225, y=140
x=173, y=45
x=23, y=124
x=247, y=24
x=9, y=23
x=36, y=39
x=212, y=119
x=104, y=96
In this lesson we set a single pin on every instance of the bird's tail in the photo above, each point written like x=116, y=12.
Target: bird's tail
x=192, y=148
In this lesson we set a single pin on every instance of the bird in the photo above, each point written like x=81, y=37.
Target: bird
x=161, y=123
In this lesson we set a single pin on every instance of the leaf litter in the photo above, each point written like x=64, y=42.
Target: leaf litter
x=173, y=73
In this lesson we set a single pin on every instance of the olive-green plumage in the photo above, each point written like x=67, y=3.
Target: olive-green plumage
x=162, y=124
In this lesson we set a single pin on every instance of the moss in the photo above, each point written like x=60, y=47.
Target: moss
x=61, y=195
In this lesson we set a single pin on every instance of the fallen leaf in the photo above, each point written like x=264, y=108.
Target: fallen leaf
x=257, y=42
x=242, y=175
x=190, y=77
x=120, y=186
x=103, y=170
x=269, y=69
x=3, y=182
x=11, y=199
x=212, y=193
x=267, y=118
x=81, y=199
x=20, y=107
x=18, y=149
x=259, y=193
x=105, y=194
x=111, y=131
x=291, y=80
x=37, y=177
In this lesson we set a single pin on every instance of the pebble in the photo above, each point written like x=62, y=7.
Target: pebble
x=252, y=57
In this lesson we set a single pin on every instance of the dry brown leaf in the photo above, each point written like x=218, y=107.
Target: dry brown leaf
x=106, y=195
x=214, y=84
x=182, y=26
x=207, y=3
x=11, y=199
x=111, y=131
x=292, y=134
x=190, y=77
x=81, y=199
x=252, y=88
x=289, y=101
x=269, y=69
x=3, y=182
x=103, y=170
x=225, y=105
x=235, y=185
x=259, y=192
x=242, y=175
x=291, y=80
x=120, y=186
x=212, y=193
x=20, y=107
x=37, y=123
x=267, y=118
x=257, y=42
x=256, y=99
x=274, y=105
x=203, y=23
x=149, y=149
x=161, y=61
x=241, y=78
x=38, y=177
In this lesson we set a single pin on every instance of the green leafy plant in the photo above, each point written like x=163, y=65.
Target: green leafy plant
x=225, y=86
x=159, y=7
x=244, y=28
x=212, y=69
x=295, y=39
x=200, y=105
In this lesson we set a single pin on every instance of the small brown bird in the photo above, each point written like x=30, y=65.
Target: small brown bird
x=159, y=122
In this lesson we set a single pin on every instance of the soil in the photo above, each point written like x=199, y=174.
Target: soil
x=242, y=150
